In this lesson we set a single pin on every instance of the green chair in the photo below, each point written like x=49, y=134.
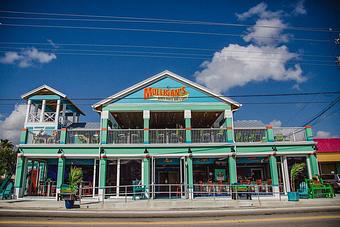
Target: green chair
x=138, y=190
x=7, y=193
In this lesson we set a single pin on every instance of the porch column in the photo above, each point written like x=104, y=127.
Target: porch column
x=94, y=178
x=23, y=136
x=190, y=178
x=104, y=123
x=232, y=169
x=309, y=133
x=42, y=110
x=28, y=111
x=61, y=173
x=57, y=112
x=19, y=184
x=146, y=175
x=274, y=175
x=228, y=115
x=313, y=164
x=187, y=118
x=102, y=177
x=146, y=118
x=64, y=115
x=118, y=177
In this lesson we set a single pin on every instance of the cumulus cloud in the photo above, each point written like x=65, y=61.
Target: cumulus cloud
x=299, y=8
x=259, y=10
x=11, y=125
x=27, y=57
x=237, y=65
x=275, y=123
x=323, y=134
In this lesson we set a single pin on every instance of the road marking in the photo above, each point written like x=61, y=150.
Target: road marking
x=14, y=222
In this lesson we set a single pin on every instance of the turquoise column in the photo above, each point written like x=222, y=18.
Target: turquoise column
x=61, y=172
x=146, y=175
x=102, y=176
x=23, y=136
x=314, y=165
x=228, y=123
x=190, y=177
x=103, y=131
x=269, y=133
x=309, y=133
x=232, y=169
x=19, y=176
x=187, y=118
x=273, y=170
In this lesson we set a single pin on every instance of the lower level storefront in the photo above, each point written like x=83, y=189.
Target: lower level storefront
x=174, y=176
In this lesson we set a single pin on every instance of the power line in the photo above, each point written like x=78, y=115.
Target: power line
x=152, y=30
x=205, y=96
x=154, y=47
x=161, y=20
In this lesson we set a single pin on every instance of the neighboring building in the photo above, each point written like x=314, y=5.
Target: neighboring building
x=328, y=153
x=168, y=132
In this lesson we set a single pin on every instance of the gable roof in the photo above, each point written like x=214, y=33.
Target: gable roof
x=44, y=89
x=166, y=73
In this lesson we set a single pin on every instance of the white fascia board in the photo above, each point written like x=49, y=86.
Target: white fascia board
x=156, y=77
x=24, y=96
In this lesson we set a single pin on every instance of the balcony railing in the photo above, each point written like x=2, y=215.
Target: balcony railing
x=33, y=117
x=167, y=135
x=250, y=135
x=43, y=137
x=208, y=135
x=49, y=116
x=125, y=136
x=282, y=134
x=82, y=136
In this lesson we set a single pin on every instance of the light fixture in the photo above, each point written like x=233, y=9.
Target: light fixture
x=190, y=152
x=60, y=151
x=274, y=148
x=102, y=150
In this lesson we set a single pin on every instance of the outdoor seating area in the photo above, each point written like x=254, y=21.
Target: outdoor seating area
x=318, y=189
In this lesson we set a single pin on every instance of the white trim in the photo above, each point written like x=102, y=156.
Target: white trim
x=24, y=96
x=57, y=112
x=104, y=115
x=146, y=114
x=42, y=113
x=286, y=173
x=187, y=113
x=118, y=177
x=309, y=169
x=228, y=114
x=157, y=77
x=28, y=109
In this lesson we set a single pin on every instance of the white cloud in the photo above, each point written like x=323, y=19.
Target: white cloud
x=275, y=123
x=27, y=57
x=299, y=8
x=323, y=134
x=11, y=125
x=237, y=65
x=259, y=10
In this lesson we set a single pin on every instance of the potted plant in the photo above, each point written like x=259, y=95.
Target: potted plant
x=295, y=172
x=69, y=192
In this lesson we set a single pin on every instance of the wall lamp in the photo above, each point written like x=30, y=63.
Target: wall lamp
x=274, y=148
x=60, y=151
x=190, y=152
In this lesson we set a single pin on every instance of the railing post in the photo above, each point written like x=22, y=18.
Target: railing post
x=228, y=115
x=146, y=117
x=270, y=133
x=309, y=133
x=23, y=136
x=187, y=117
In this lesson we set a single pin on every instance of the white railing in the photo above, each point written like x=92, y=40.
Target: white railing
x=167, y=135
x=76, y=136
x=282, y=134
x=125, y=136
x=33, y=117
x=208, y=135
x=49, y=116
x=43, y=137
x=250, y=135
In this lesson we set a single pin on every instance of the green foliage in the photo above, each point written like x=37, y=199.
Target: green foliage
x=75, y=178
x=7, y=158
x=295, y=172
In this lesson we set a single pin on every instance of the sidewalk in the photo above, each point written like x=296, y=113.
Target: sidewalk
x=168, y=208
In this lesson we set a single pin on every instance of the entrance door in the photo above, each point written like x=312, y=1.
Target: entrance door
x=257, y=173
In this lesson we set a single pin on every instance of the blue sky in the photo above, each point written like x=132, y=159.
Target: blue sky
x=302, y=65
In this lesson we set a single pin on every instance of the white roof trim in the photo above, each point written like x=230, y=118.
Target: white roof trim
x=156, y=77
x=24, y=96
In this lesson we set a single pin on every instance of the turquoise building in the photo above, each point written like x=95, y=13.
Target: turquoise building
x=167, y=133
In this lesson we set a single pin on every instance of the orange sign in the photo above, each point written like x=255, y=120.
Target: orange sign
x=162, y=94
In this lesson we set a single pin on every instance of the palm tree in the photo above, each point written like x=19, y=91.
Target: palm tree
x=295, y=172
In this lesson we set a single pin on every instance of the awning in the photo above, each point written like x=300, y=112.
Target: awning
x=328, y=157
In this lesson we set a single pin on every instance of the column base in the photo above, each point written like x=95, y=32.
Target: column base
x=17, y=193
x=101, y=194
x=276, y=191
x=190, y=193
x=57, y=194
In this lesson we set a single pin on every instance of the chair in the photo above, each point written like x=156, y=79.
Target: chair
x=303, y=190
x=7, y=193
x=138, y=190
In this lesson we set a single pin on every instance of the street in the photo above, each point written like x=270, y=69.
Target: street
x=308, y=219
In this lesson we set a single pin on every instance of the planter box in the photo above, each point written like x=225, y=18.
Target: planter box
x=293, y=196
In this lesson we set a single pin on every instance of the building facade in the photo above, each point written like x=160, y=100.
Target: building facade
x=328, y=153
x=171, y=135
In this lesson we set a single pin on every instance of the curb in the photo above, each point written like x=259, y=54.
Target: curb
x=163, y=213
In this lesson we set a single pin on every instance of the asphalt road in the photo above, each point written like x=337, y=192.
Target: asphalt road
x=317, y=219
